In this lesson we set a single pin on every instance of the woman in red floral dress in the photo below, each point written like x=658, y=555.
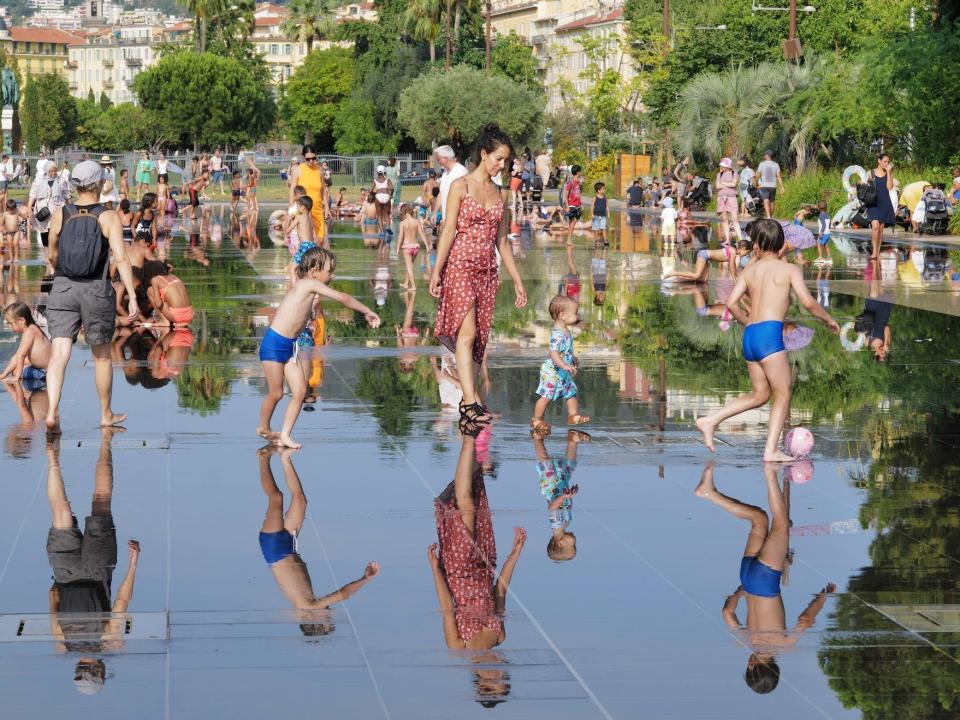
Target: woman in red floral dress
x=464, y=562
x=465, y=276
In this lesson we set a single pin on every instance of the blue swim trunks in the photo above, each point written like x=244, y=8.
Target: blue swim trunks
x=759, y=579
x=824, y=239
x=33, y=379
x=762, y=339
x=275, y=347
x=276, y=546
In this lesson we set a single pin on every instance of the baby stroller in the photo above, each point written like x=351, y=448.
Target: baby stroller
x=699, y=194
x=553, y=182
x=536, y=189
x=753, y=203
x=936, y=217
x=934, y=265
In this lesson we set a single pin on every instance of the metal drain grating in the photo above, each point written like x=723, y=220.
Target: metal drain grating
x=120, y=442
x=36, y=628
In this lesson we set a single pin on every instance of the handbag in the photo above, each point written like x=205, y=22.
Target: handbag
x=867, y=193
x=43, y=214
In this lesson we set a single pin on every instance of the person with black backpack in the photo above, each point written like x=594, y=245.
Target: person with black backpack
x=82, y=236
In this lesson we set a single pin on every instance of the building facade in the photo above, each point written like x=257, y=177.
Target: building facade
x=38, y=50
x=109, y=60
x=558, y=30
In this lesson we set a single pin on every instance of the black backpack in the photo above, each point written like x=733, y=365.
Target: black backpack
x=867, y=193
x=83, y=248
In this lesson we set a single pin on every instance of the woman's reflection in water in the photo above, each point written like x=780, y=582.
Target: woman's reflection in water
x=464, y=561
x=761, y=570
x=278, y=543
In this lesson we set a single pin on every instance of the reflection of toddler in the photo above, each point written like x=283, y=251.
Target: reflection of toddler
x=555, y=476
x=557, y=371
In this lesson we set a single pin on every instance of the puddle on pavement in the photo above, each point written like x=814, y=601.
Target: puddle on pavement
x=610, y=598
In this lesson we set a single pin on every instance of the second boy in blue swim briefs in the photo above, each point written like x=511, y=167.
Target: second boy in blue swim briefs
x=762, y=339
x=276, y=348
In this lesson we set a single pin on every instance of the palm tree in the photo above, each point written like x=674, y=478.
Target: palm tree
x=309, y=21
x=735, y=111
x=421, y=21
x=202, y=11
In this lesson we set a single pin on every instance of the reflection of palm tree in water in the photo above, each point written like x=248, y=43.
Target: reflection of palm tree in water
x=472, y=598
x=82, y=620
x=278, y=543
x=761, y=569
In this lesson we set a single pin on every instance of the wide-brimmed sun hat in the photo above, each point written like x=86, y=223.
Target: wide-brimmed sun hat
x=726, y=163
x=106, y=160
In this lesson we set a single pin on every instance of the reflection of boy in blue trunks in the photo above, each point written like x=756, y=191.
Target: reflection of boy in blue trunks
x=761, y=569
x=279, y=547
x=555, y=476
x=767, y=283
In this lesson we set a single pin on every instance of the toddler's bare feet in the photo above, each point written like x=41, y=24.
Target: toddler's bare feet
x=777, y=456
x=285, y=441
x=706, y=429
x=112, y=419
x=268, y=434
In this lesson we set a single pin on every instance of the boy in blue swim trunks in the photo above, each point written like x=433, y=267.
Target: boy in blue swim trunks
x=768, y=282
x=315, y=270
x=279, y=547
x=761, y=570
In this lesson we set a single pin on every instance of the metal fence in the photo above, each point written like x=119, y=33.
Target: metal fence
x=348, y=170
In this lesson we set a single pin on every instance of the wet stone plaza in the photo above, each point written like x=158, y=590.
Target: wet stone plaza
x=635, y=612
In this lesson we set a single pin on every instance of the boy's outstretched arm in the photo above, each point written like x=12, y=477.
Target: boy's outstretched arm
x=730, y=609
x=349, y=589
x=347, y=300
x=809, y=616
x=808, y=301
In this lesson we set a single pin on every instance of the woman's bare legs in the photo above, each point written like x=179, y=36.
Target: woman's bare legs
x=464, y=354
x=876, y=238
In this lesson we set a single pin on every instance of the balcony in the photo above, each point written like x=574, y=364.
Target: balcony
x=108, y=62
x=133, y=62
x=70, y=64
x=73, y=86
x=108, y=84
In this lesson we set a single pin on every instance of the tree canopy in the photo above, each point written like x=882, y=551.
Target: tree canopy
x=48, y=112
x=437, y=108
x=315, y=91
x=206, y=99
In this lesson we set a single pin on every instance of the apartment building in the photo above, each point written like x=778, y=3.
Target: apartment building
x=556, y=28
x=37, y=50
x=108, y=61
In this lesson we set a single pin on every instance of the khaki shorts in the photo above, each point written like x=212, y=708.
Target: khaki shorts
x=90, y=303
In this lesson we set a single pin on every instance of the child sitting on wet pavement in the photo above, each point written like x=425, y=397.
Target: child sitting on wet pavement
x=558, y=370
x=30, y=360
x=315, y=270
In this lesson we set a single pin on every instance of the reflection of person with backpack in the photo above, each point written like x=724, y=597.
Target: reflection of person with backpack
x=82, y=236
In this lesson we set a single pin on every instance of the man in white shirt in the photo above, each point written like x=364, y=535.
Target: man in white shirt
x=216, y=168
x=452, y=170
x=42, y=163
x=768, y=180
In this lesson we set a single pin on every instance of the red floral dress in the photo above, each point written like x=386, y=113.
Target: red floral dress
x=469, y=563
x=470, y=278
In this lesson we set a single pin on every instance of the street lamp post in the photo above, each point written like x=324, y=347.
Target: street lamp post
x=489, y=32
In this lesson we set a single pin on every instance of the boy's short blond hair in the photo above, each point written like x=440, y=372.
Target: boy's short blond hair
x=559, y=303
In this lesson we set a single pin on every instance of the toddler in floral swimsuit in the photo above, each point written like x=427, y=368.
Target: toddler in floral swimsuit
x=558, y=370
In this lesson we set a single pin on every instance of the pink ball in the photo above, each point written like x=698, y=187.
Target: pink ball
x=799, y=472
x=799, y=442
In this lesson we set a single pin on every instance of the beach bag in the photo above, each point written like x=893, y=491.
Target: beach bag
x=865, y=322
x=83, y=247
x=867, y=193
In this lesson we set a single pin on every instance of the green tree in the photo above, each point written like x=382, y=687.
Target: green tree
x=315, y=91
x=446, y=107
x=202, y=11
x=206, y=99
x=309, y=21
x=514, y=59
x=421, y=21
x=123, y=127
x=48, y=112
x=229, y=31
x=104, y=101
x=355, y=129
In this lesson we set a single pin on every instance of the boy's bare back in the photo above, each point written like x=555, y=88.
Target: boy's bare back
x=769, y=282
